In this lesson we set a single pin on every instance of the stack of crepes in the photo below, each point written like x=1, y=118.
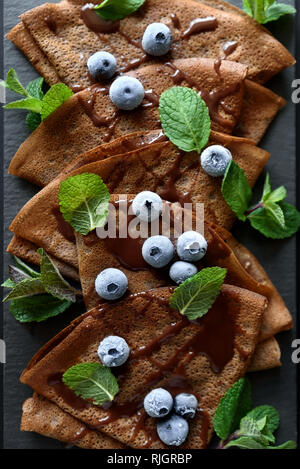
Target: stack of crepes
x=129, y=151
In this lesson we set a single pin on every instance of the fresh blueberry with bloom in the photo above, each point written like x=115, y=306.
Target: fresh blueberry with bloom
x=215, y=159
x=185, y=405
x=126, y=93
x=147, y=206
x=158, y=251
x=180, y=271
x=191, y=246
x=158, y=403
x=102, y=65
x=173, y=430
x=111, y=284
x=157, y=39
x=113, y=351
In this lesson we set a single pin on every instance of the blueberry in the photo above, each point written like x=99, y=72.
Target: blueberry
x=102, y=65
x=158, y=251
x=173, y=430
x=215, y=159
x=157, y=39
x=185, y=405
x=147, y=206
x=191, y=246
x=158, y=403
x=180, y=271
x=126, y=93
x=113, y=351
x=111, y=284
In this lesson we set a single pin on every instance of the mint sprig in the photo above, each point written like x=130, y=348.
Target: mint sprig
x=38, y=296
x=264, y=11
x=196, y=295
x=117, y=9
x=92, y=381
x=39, y=105
x=240, y=427
x=272, y=216
x=185, y=118
x=83, y=201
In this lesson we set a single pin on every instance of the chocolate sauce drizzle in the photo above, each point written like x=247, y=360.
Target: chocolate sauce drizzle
x=200, y=25
x=228, y=49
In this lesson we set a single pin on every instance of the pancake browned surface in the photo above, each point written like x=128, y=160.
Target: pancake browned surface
x=159, y=167
x=42, y=416
x=89, y=118
x=267, y=355
x=64, y=38
x=143, y=320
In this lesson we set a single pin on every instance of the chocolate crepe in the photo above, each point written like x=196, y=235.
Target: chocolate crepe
x=65, y=39
x=89, y=118
x=166, y=350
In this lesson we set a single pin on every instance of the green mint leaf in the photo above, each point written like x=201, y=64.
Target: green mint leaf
x=267, y=188
x=92, y=381
x=8, y=284
x=17, y=275
x=196, y=295
x=31, y=104
x=287, y=445
x=275, y=212
x=252, y=428
x=84, y=202
x=54, y=98
x=33, y=120
x=275, y=11
x=34, y=88
x=25, y=268
x=278, y=195
x=185, y=118
x=245, y=442
x=37, y=308
x=262, y=221
x=247, y=7
x=25, y=288
x=236, y=190
x=53, y=281
x=266, y=411
x=13, y=83
x=117, y=9
x=235, y=404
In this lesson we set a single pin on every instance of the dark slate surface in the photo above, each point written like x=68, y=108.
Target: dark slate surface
x=276, y=387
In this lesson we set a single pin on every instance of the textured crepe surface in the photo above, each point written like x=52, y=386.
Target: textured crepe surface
x=141, y=320
x=71, y=42
x=70, y=130
x=159, y=167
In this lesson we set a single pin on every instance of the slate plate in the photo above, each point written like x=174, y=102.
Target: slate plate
x=276, y=387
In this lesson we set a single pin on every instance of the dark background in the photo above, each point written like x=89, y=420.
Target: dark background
x=276, y=387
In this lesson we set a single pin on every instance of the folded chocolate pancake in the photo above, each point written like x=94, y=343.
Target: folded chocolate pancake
x=89, y=118
x=167, y=350
x=67, y=37
x=267, y=356
x=176, y=176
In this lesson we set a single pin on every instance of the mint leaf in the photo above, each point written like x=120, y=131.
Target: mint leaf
x=235, y=404
x=276, y=196
x=53, y=281
x=266, y=411
x=253, y=428
x=37, y=308
x=25, y=288
x=275, y=11
x=13, y=83
x=33, y=120
x=196, y=295
x=92, y=381
x=275, y=212
x=31, y=104
x=236, y=190
x=8, y=284
x=262, y=221
x=267, y=188
x=117, y=9
x=54, y=98
x=265, y=11
x=287, y=445
x=245, y=442
x=25, y=268
x=84, y=202
x=34, y=88
x=184, y=118
x=17, y=275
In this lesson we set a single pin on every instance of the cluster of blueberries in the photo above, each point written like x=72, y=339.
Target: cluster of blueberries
x=172, y=428
x=127, y=93
x=158, y=251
